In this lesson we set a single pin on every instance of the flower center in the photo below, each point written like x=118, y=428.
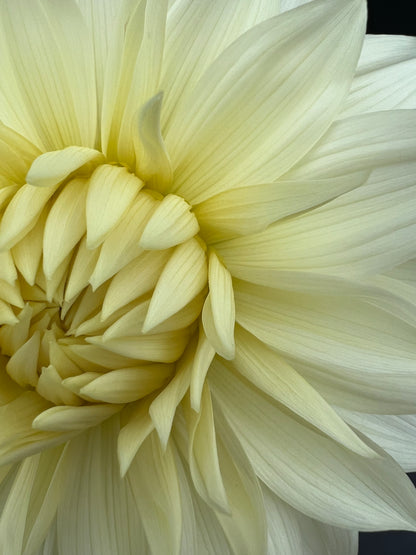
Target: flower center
x=104, y=278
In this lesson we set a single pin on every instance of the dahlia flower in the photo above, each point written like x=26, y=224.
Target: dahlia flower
x=207, y=277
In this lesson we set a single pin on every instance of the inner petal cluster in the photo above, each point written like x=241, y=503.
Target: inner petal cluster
x=104, y=280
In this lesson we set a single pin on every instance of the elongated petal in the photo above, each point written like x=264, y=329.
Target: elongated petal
x=128, y=384
x=335, y=485
x=203, y=455
x=152, y=159
x=345, y=346
x=237, y=92
x=16, y=154
x=385, y=78
x=53, y=167
x=65, y=225
x=110, y=193
x=27, y=253
x=270, y=373
x=366, y=231
x=171, y=223
x=154, y=483
x=394, y=434
x=183, y=277
x=58, y=109
x=203, y=357
x=67, y=418
x=98, y=513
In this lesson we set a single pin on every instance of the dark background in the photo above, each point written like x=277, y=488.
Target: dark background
x=393, y=18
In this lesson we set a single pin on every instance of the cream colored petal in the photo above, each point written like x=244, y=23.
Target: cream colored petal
x=269, y=372
x=163, y=408
x=11, y=294
x=248, y=210
x=16, y=154
x=347, y=349
x=286, y=5
x=50, y=387
x=385, y=78
x=134, y=280
x=27, y=253
x=53, y=167
x=183, y=277
x=66, y=418
x=245, y=528
x=82, y=268
x=161, y=347
x=145, y=75
x=394, y=434
x=98, y=513
x=292, y=532
x=203, y=455
x=152, y=159
x=13, y=337
x=128, y=384
x=171, y=223
x=65, y=225
x=23, y=364
x=97, y=357
x=154, y=482
x=111, y=192
x=18, y=439
x=218, y=314
x=197, y=32
x=122, y=245
x=137, y=426
x=46, y=494
x=335, y=486
x=51, y=87
x=7, y=316
x=12, y=521
x=366, y=231
x=250, y=117
x=9, y=390
x=7, y=268
x=203, y=357
x=22, y=213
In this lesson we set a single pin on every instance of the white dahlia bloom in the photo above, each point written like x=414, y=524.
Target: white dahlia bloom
x=207, y=277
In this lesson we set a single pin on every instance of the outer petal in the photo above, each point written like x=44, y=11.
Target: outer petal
x=251, y=117
x=350, y=351
x=395, y=434
x=310, y=472
x=49, y=92
x=98, y=513
x=293, y=533
x=196, y=33
x=386, y=76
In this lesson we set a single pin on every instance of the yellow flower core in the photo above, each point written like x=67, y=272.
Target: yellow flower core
x=106, y=279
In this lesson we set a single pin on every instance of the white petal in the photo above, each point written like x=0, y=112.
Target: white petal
x=334, y=485
x=270, y=373
x=366, y=231
x=53, y=167
x=219, y=130
x=385, y=78
x=343, y=346
x=203, y=455
x=50, y=91
x=65, y=225
x=111, y=191
x=218, y=315
x=152, y=159
x=154, y=482
x=197, y=32
x=394, y=434
x=171, y=223
x=97, y=513
x=183, y=277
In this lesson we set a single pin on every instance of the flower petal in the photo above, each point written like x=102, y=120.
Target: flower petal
x=98, y=513
x=334, y=485
x=154, y=482
x=344, y=347
x=385, y=78
x=57, y=109
x=219, y=130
